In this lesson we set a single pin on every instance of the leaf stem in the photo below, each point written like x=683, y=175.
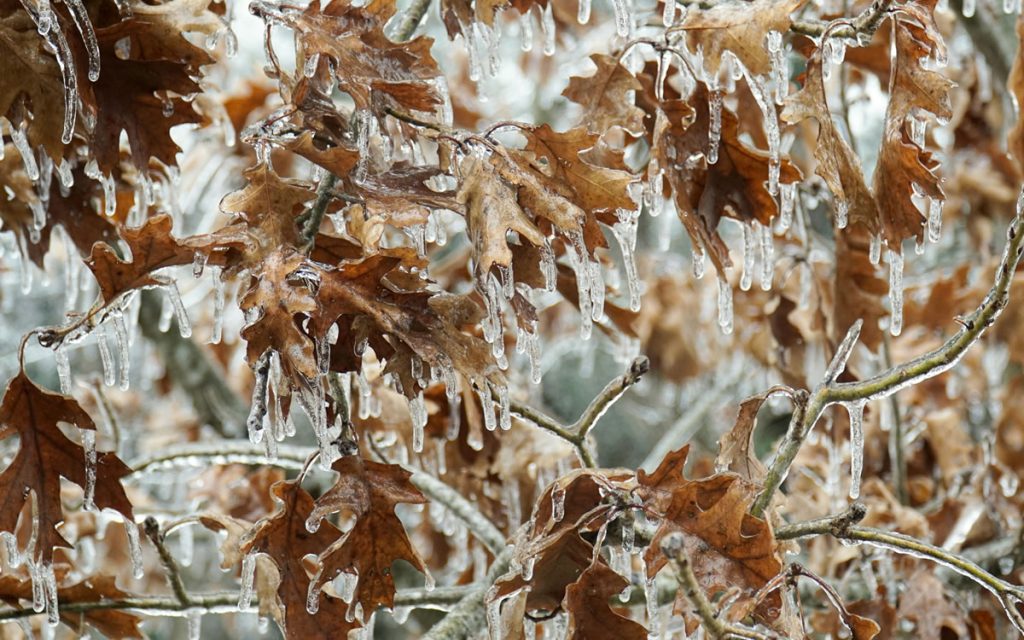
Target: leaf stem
x=152, y=529
x=902, y=375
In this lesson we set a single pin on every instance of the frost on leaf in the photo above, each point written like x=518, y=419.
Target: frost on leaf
x=45, y=455
x=112, y=623
x=284, y=537
x=728, y=548
x=369, y=491
x=905, y=168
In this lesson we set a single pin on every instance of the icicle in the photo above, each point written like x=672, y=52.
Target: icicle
x=64, y=174
x=875, y=249
x=715, y=128
x=856, y=411
x=487, y=406
x=968, y=8
x=780, y=68
x=934, y=220
x=747, y=275
x=664, y=66
x=896, y=291
x=89, y=448
x=198, y=264
x=625, y=232
x=724, y=305
x=20, y=139
x=492, y=38
x=526, y=30
x=81, y=17
x=668, y=15
x=194, y=618
x=548, y=267
x=504, y=409
x=533, y=350
x=134, y=548
x=106, y=358
x=309, y=67
x=24, y=265
x=698, y=257
x=418, y=411
x=767, y=257
x=583, y=12
x=787, y=195
x=121, y=332
x=364, y=131
x=623, y=17
x=184, y=326
x=580, y=264
x=186, y=545
x=548, y=29
x=218, y=308
x=313, y=597
x=109, y=195
x=49, y=580
x=63, y=368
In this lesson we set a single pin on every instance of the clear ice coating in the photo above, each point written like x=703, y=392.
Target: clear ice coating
x=548, y=29
x=896, y=291
x=668, y=15
x=418, y=411
x=767, y=257
x=747, y=274
x=89, y=450
x=134, y=548
x=856, y=411
x=715, y=127
x=63, y=368
x=625, y=232
x=623, y=17
x=725, y=311
x=875, y=249
x=934, y=220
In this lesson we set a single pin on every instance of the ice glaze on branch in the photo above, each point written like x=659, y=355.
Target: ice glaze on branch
x=902, y=375
x=576, y=433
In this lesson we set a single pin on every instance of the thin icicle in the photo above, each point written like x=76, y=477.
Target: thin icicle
x=218, y=308
x=63, y=368
x=699, y=257
x=487, y=406
x=842, y=213
x=625, y=232
x=49, y=580
x=934, y=220
x=969, y=7
x=504, y=409
x=194, y=618
x=767, y=257
x=875, y=249
x=623, y=17
x=106, y=357
x=81, y=17
x=526, y=30
x=787, y=195
x=109, y=195
x=121, y=332
x=725, y=312
x=715, y=127
x=184, y=325
x=664, y=66
x=580, y=265
x=896, y=291
x=548, y=29
x=548, y=266
x=856, y=411
x=134, y=548
x=668, y=14
x=89, y=449
x=20, y=138
x=583, y=12
x=747, y=274
x=418, y=411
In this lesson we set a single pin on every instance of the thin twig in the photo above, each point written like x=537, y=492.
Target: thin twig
x=576, y=433
x=411, y=19
x=152, y=529
x=673, y=546
x=900, y=376
x=315, y=215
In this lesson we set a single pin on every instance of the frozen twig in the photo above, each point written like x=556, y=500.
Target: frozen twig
x=576, y=433
x=156, y=536
x=469, y=616
x=902, y=375
x=411, y=19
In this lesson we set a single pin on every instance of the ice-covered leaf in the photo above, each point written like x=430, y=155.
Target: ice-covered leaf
x=285, y=538
x=606, y=97
x=586, y=602
x=45, y=455
x=370, y=491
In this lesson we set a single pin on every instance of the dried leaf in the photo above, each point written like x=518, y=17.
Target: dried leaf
x=590, y=617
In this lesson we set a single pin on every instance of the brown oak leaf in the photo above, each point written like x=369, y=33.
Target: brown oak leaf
x=284, y=537
x=45, y=455
x=369, y=491
x=605, y=97
x=590, y=617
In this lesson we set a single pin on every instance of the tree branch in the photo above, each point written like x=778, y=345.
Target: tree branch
x=902, y=375
x=576, y=433
x=152, y=529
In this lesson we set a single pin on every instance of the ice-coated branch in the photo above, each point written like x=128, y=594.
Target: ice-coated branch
x=576, y=433
x=411, y=19
x=844, y=527
x=863, y=25
x=673, y=546
x=173, y=574
x=902, y=375
x=227, y=602
x=311, y=219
